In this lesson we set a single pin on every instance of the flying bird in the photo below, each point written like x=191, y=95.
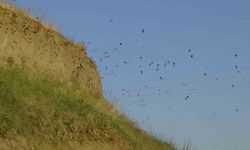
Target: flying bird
x=142, y=30
x=151, y=63
x=186, y=98
x=165, y=64
x=173, y=64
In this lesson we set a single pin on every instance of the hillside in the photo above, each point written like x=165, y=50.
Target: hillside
x=51, y=93
x=41, y=51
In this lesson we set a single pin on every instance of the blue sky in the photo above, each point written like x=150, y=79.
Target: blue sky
x=215, y=115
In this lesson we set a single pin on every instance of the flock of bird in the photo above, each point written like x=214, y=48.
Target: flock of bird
x=153, y=65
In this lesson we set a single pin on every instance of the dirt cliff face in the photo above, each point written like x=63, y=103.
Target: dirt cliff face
x=37, y=49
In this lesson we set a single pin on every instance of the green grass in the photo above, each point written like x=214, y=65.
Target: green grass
x=44, y=113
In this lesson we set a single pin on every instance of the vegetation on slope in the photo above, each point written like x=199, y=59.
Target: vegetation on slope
x=45, y=116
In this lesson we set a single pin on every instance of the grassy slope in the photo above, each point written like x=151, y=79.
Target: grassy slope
x=42, y=115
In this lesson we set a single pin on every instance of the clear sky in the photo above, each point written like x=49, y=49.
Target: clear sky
x=203, y=98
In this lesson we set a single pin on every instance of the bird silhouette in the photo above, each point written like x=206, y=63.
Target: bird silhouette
x=142, y=30
x=173, y=64
x=186, y=98
x=165, y=64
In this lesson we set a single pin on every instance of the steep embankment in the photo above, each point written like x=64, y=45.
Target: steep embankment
x=37, y=49
x=51, y=96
